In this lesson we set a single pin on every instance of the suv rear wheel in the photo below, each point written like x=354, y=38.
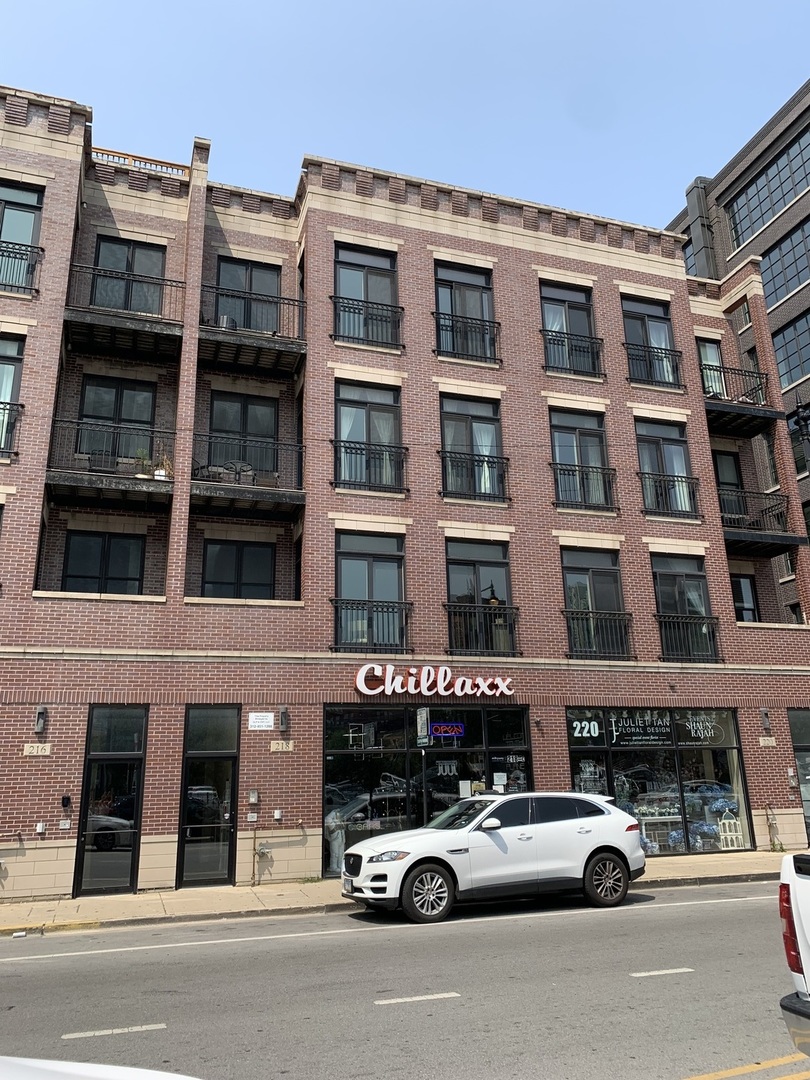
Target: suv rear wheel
x=427, y=895
x=606, y=880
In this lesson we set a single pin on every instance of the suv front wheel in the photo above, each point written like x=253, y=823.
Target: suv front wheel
x=606, y=880
x=427, y=895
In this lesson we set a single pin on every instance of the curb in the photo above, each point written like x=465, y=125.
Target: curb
x=719, y=879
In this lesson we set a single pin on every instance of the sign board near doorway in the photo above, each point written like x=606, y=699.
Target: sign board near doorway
x=422, y=723
x=261, y=721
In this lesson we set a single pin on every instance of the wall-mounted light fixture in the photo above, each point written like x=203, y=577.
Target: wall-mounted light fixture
x=253, y=797
x=283, y=718
x=765, y=719
x=40, y=719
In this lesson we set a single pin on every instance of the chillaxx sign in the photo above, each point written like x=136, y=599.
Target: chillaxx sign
x=428, y=681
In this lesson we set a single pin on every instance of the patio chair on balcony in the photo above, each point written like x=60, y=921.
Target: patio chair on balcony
x=238, y=472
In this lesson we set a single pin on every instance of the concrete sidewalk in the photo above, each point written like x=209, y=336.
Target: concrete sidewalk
x=318, y=897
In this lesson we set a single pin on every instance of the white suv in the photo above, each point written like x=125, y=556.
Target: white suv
x=492, y=846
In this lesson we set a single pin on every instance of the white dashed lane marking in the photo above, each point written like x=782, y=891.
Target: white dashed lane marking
x=113, y=1031
x=422, y=997
x=666, y=971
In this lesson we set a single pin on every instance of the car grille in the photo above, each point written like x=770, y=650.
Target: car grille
x=352, y=864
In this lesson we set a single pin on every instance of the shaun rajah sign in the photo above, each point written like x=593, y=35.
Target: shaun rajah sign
x=428, y=681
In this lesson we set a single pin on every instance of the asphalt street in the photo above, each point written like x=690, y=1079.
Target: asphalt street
x=676, y=983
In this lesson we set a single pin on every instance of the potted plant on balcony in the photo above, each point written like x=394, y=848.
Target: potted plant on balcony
x=143, y=466
x=163, y=469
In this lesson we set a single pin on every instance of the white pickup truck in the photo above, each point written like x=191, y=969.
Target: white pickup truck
x=794, y=909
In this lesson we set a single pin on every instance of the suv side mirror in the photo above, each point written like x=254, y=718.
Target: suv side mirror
x=490, y=823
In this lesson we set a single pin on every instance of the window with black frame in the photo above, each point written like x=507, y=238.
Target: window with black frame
x=365, y=299
x=11, y=359
x=568, y=339
x=711, y=368
x=481, y=618
x=667, y=483
x=20, y=217
x=465, y=325
x=368, y=450
x=239, y=569
x=244, y=292
x=598, y=626
x=688, y=631
x=797, y=442
x=98, y=562
x=744, y=591
x=370, y=614
x=473, y=466
x=116, y=420
x=129, y=276
x=651, y=354
x=242, y=442
x=582, y=479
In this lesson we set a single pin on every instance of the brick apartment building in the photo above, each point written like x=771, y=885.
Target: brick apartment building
x=280, y=474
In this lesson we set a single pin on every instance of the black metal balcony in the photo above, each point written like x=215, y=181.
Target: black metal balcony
x=231, y=309
x=125, y=294
x=369, y=466
x=19, y=268
x=584, y=487
x=572, y=354
x=654, y=366
x=755, y=523
x=10, y=416
x=670, y=496
x=474, y=476
x=247, y=461
x=366, y=323
x=598, y=635
x=482, y=629
x=371, y=626
x=689, y=638
x=737, y=401
x=467, y=339
x=132, y=450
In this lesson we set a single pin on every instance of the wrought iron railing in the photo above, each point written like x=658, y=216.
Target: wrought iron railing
x=366, y=323
x=231, y=309
x=671, y=496
x=371, y=625
x=482, y=629
x=657, y=367
x=688, y=638
x=10, y=416
x=124, y=449
x=735, y=384
x=369, y=466
x=753, y=510
x=573, y=353
x=247, y=461
x=474, y=476
x=586, y=487
x=19, y=267
x=121, y=292
x=467, y=339
x=598, y=635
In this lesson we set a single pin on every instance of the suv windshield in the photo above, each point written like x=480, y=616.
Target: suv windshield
x=459, y=815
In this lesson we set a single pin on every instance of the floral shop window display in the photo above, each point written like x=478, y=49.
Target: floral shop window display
x=678, y=771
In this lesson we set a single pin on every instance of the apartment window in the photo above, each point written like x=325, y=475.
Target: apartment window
x=582, y=479
x=241, y=569
x=116, y=419
x=472, y=464
x=806, y=513
x=786, y=266
x=771, y=476
x=11, y=354
x=464, y=313
x=242, y=289
x=688, y=632
x=366, y=296
x=568, y=331
x=370, y=615
x=594, y=608
x=649, y=345
x=666, y=480
x=481, y=617
x=798, y=444
x=103, y=563
x=711, y=368
x=792, y=347
x=368, y=454
x=20, y=212
x=787, y=176
x=243, y=434
x=129, y=276
x=744, y=591
x=689, y=258
x=794, y=612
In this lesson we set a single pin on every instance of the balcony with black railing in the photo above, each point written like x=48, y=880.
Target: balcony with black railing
x=19, y=268
x=248, y=469
x=598, y=635
x=482, y=477
x=670, y=496
x=371, y=626
x=467, y=339
x=653, y=366
x=365, y=323
x=10, y=416
x=363, y=466
x=125, y=294
x=239, y=329
x=584, y=487
x=737, y=401
x=482, y=629
x=689, y=638
x=755, y=523
x=572, y=354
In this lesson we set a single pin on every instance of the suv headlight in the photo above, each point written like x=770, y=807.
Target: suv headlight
x=390, y=856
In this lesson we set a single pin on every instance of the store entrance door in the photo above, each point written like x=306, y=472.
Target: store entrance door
x=208, y=831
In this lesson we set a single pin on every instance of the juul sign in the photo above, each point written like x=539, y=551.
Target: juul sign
x=374, y=679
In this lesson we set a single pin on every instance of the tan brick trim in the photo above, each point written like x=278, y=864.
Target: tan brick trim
x=658, y=412
x=368, y=522
x=468, y=530
x=575, y=401
x=364, y=239
x=442, y=254
x=358, y=373
x=468, y=389
x=630, y=288
x=662, y=546
x=577, y=538
x=565, y=277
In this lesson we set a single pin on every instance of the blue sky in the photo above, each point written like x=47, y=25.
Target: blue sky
x=608, y=107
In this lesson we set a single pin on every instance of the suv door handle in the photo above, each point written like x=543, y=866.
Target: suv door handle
x=525, y=836
x=584, y=830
